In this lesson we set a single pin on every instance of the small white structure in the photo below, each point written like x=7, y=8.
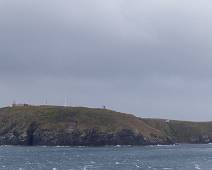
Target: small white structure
x=167, y=121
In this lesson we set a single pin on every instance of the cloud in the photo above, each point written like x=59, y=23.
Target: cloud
x=150, y=57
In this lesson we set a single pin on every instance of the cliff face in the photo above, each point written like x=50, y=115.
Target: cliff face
x=54, y=125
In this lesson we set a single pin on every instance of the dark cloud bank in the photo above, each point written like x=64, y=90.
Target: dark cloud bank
x=152, y=58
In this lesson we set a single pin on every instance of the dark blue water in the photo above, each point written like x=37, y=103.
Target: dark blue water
x=180, y=157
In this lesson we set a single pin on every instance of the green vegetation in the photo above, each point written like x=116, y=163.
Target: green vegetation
x=86, y=118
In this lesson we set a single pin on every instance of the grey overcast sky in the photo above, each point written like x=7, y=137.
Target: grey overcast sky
x=152, y=58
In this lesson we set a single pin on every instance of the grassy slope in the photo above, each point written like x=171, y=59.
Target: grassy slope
x=58, y=117
x=182, y=131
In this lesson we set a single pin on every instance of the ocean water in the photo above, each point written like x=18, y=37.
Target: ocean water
x=179, y=157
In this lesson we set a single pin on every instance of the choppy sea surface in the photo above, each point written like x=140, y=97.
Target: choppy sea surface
x=179, y=157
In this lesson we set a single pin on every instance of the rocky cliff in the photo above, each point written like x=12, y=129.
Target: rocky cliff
x=72, y=126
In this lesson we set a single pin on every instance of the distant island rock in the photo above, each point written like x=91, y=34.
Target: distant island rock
x=80, y=126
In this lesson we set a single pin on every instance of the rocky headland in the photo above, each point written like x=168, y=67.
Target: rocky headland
x=80, y=126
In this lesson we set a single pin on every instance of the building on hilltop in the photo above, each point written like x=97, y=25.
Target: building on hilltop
x=19, y=105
